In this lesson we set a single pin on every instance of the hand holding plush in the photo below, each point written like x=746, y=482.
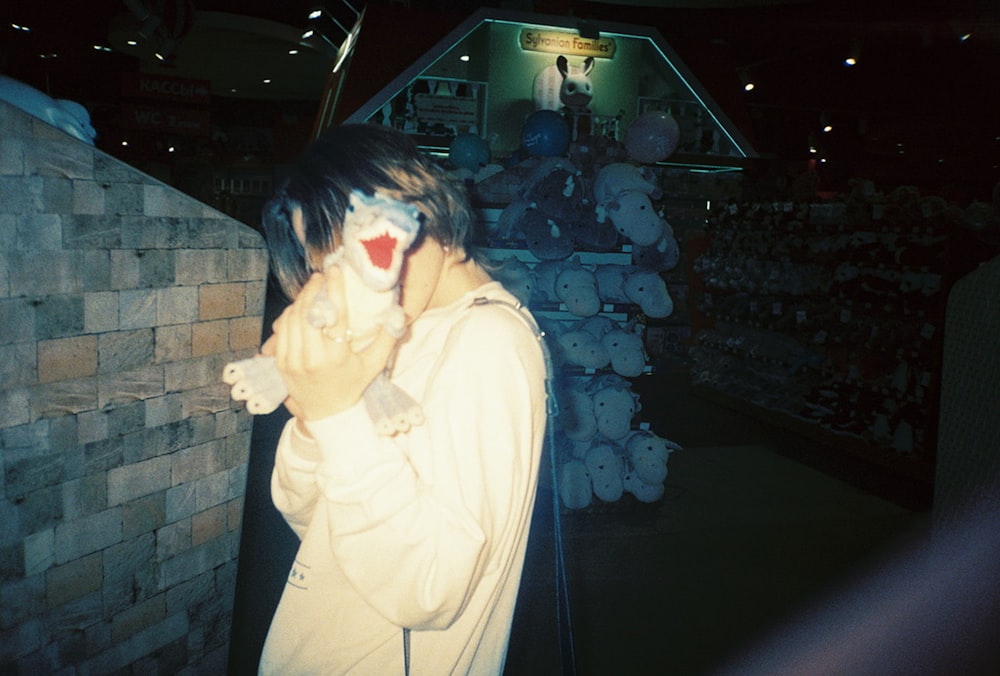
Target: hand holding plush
x=377, y=232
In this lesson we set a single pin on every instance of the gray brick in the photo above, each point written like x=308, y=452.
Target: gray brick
x=193, y=562
x=246, y=265
x=124, y=273
x=59, y=317
x=130, y=573
x=138, y=232
x=63, y=397
x=96, y=270
x=15, y=406
x=156, y=268
x=78, y=614
x=123, y=387
x=194, y=373
x=173, y=343
x=144, y=643
x=197, y=266
x=181, y=502
x=92, y=426
x=172, y=539
x=100, y=312
x=39, y=552
x=142, y=478
x=84, y=496
x=127, y=418
x=20, y=640
x=11, y=154
x=212, y=490
x=124, y=350
x=163, y=410
x=61, y=273
x=17, y=320
x=40, y=509
x=21, y=194
x=177, y=305
x=124, y=199
x=137, y=308
x=144, y=515
x=87, y=535
x=58, y=194
x=11, y=562
x=192, y=463
x=140, y=616
x=18, y=364
x=91, y=232
x=73, y=580
x=58, y=155
x=103, y=455
x=21, y=599
x=88, y=197
x=38, y=233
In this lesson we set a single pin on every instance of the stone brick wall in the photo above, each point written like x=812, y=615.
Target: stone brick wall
x=123, y=459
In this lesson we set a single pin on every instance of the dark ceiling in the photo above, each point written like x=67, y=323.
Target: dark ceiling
x=922, y=106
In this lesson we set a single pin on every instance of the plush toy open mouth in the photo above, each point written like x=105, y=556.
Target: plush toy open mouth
x=380, y=250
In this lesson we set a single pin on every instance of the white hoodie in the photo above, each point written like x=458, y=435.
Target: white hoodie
x=424, y=530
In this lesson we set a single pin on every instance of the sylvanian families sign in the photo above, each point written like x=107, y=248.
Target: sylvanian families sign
x=558, y=42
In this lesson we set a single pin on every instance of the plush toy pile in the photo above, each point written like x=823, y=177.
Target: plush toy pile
x=581, y=242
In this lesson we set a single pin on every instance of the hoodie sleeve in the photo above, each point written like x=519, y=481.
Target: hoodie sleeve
x=416, y=520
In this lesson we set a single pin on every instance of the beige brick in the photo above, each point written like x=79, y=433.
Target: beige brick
x=218, y=301
x=67, y=358
x=208, y=525
x=73, y=580
x=245, y=333
x=209, y=338
x=140, y=616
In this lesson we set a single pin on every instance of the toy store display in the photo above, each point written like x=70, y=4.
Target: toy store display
x=830, y=316
x=563, y=227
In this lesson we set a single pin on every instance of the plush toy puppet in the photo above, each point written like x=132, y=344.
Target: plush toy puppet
x=647, y=289
x=69, y=116
x=576, y=287
x=607, y=470
x=518, y=278
x=581, y=348
x=648, y=454
x=545, y=238
x=627, y=353
x=377, y=231
x=615, y=405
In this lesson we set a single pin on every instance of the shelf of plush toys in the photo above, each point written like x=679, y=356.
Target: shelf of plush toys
x=595, y=278
x=827, y=318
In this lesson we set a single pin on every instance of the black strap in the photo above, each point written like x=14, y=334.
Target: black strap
x=406, y=651
x=564, y=617
x=567, y=651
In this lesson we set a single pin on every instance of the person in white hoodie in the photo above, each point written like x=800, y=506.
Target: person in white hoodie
x=412, y=544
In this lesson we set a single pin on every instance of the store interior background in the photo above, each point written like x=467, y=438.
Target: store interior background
x=683, y=585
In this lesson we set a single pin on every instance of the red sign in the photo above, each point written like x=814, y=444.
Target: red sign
x=167, y=120
x=166, y=88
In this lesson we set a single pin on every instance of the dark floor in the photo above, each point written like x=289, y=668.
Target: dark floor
x=746, y=536
x=749, y=535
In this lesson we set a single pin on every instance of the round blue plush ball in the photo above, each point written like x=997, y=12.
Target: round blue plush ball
x=468, y=151
x=545, y=134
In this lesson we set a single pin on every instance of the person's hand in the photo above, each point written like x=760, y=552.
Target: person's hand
x=323, y=375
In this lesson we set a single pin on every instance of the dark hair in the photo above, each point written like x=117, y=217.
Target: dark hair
x=367, y=157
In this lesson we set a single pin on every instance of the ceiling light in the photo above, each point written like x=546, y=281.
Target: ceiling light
x=19, y=27
x=854, y=55
x=464, y=58
x=293, y=52
x=746, y=80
